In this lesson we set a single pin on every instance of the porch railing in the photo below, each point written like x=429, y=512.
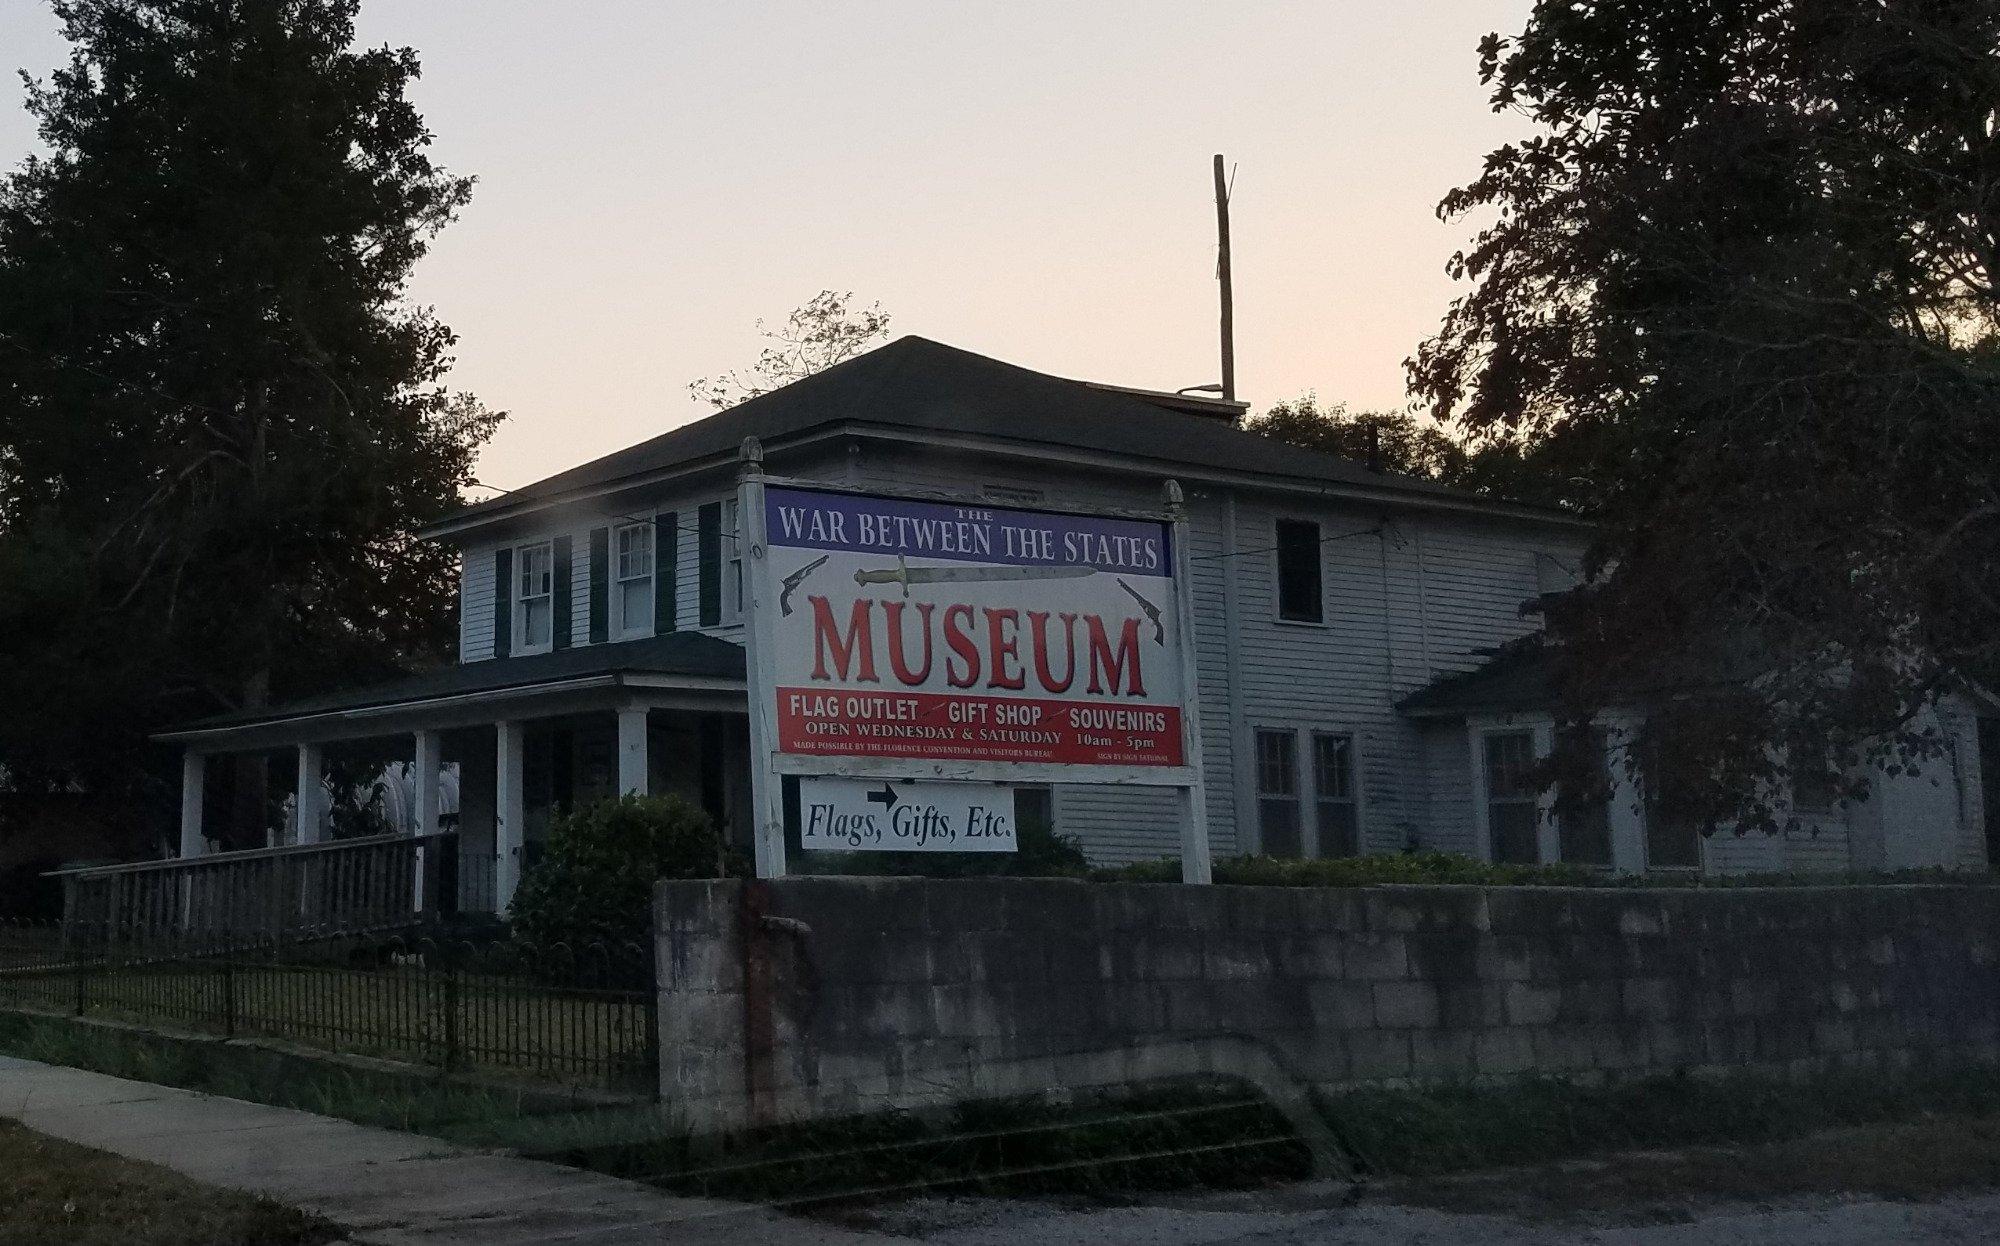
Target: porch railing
x=226, y=900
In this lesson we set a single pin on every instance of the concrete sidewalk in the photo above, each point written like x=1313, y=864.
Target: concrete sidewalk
x=383, y=1186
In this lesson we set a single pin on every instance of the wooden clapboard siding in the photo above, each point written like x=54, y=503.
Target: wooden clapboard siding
x=1422, y=598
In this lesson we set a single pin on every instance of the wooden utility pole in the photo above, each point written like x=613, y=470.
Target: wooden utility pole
x=1222, y=276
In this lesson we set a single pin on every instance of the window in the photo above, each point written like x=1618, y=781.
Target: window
x=1333, y=795
x=1299, y=572
x=1034, y=807
x=1511, y=812
x=534, y=597
x=1583, y=799
x=732, y=563
x=632, y=581
x=1278, y=822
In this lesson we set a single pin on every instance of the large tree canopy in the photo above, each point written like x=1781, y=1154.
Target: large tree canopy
x=220, y=423
x=1742, y=275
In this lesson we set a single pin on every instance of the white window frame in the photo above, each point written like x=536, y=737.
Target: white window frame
x=1540, y=730
x=619, y=580
x=520, y=601
x=1313, y=736
x=731, y=559
x=1277, y=572
x=1305, y=737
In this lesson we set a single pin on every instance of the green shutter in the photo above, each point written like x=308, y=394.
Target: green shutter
x=666, y=572
x=708, y=546
x=600, y=585
x=561, y=548
x=503, y=602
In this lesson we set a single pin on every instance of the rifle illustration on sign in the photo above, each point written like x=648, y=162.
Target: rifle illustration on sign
x=906, y=575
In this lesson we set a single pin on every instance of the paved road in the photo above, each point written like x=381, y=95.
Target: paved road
x=1305, y=1216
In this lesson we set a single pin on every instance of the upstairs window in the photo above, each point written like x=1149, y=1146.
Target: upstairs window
x=732, y=563
x=1299, y=588
x=534, y=597
x=1334, y=805
x=1512, y=813
x=632, y=581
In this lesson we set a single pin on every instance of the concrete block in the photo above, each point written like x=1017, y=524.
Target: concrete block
x=1341, y=1005
x=1231, y=956
x=1329, y=909
x=1563, y=1049
x=1833, y=1036
x=1172, y=959
x=1534, y=911
x=1400, y=910
x=1472, y=1004
x=1505, y=1051
x=1753, y=997
x=1375, y=956
x=1443, y=1053
x=1078, y=960
x=1651, y=999
x=1406, y=1005
x=1309, y=956
x=1451, y=956
x=1589, y=999
x=1506, y=957
x=1263, y=910
x=1529, y=1004
x=1377, y=1054
x=1642, y=917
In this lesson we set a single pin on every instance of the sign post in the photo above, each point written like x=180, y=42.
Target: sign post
x=935, y=647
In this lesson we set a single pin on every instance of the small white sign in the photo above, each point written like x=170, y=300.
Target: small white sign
x=895, y=815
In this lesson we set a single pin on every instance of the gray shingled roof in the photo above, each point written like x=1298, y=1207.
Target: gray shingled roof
x=1513, y=680
x=915, y=383
x=691, y=654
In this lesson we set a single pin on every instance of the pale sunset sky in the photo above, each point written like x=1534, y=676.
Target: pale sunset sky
x=1028, y=179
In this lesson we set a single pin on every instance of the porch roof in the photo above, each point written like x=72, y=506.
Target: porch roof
x=688, y=661
x=1513, y=680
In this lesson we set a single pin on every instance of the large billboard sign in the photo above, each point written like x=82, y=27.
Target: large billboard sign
x=904, y=630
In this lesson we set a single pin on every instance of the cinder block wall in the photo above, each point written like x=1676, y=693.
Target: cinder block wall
x=816, y=997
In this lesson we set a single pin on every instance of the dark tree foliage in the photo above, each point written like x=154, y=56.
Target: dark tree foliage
x=1411, y=445
x=220, y=423
x=1742, y=278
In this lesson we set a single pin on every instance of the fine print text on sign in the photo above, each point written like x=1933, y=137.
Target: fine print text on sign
x=882, y=815
x=935, y=632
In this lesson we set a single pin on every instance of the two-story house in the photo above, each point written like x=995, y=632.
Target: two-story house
x=1346, y=622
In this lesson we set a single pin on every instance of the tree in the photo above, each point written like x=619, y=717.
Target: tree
x=818, y=334
x=1398, y=441
x=1742, y=274
x=220, y=422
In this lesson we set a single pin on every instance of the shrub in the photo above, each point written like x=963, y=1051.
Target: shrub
x=593, y=886
x=1402, y=867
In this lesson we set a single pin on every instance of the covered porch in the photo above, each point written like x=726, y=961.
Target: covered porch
x=527, y=738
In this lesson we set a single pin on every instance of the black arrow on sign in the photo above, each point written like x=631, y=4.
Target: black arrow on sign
x=885, y=798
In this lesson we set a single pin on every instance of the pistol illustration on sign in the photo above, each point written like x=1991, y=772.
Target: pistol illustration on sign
x=904, y=574
x=792, y=581
x=1152, y=612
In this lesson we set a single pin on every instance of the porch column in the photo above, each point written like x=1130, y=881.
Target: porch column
x=424, y=818
x=428, y=751
x=510, y=812
x=194, y=770
x=633, y=767
x=309, y=806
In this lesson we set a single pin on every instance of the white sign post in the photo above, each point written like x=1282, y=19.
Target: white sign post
x=911, y=638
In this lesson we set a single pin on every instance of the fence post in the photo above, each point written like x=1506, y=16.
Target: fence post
x=229, y=999
x=451, y=1035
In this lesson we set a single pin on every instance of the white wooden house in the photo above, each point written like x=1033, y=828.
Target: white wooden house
x=1346, y=619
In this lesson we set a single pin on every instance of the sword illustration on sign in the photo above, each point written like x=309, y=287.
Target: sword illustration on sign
x=1152, y=612
x=904, y=574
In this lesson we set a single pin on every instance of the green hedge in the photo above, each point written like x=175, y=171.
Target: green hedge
x=1452, y=867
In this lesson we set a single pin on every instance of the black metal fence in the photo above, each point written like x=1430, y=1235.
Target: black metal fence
x=582, y=1018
